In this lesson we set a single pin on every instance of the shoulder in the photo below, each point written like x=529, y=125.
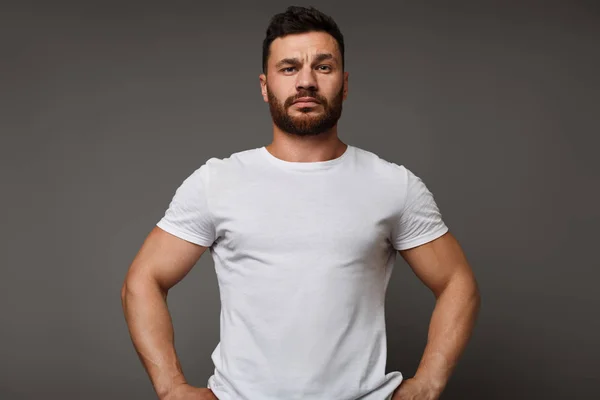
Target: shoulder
x=239, y=159
x=231, y=160
x=230, y=169
x=382, y=168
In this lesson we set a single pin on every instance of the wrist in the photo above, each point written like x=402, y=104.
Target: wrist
x=433, y=387
x=166, y=390
x=433, y=373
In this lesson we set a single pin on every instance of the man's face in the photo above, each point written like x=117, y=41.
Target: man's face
x=305, y=65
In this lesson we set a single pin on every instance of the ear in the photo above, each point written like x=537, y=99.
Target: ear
x=345, y=85
x=263, y=87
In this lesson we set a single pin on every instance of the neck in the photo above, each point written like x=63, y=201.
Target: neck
x=323, y=147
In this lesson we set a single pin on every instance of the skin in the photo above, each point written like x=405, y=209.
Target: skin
x=164, y=259
x=326, y=78
x=442, y=266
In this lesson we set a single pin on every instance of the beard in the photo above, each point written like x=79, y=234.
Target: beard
x=308, y=123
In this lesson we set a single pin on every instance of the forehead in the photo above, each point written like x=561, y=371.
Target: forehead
x=303, y=46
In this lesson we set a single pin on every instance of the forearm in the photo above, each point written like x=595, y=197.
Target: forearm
x=450, y=328
x=151, y=330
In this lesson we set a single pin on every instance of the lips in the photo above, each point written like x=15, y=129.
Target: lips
x=306, y=100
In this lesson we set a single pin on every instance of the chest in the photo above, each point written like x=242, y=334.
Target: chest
x=340, y=221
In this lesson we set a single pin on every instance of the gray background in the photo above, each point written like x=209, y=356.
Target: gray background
x=107, y=107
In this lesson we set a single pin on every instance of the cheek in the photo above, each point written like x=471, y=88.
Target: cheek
x=277, y=93
x=277, y=85
x=331, y=88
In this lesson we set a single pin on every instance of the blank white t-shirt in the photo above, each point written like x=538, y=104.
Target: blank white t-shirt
x=303, y=253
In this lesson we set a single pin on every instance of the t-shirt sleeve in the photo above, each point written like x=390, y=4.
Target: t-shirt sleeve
x=420, y=220
x=188, y=216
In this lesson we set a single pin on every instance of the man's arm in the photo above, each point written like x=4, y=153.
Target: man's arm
x=162, y=261
x=442, y=266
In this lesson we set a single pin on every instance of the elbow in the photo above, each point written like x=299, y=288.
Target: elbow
x=136, y=285
x=129, y=284
x=475, y=297
x=124, y=291
x=464, y=286
x=468, y=285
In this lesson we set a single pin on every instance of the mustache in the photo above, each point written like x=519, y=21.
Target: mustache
x=305, y=93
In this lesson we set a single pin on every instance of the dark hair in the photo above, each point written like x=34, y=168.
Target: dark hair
x=298, y=19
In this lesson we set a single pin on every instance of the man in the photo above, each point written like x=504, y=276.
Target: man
x=304, y=233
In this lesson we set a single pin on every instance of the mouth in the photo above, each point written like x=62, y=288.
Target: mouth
x=306, y=102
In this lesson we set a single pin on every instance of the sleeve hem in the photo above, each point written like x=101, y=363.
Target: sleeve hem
x=202, y=241
x=207, y=198
x=418, y=241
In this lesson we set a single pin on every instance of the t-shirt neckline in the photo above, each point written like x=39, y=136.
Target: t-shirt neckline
x=306, y=166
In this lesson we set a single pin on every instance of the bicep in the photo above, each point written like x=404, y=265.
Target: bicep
x=437, y=262
x=164, y=259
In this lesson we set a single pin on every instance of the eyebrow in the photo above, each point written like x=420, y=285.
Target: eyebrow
x=295, y=61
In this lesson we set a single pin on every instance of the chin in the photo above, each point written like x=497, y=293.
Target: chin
x=305, y=112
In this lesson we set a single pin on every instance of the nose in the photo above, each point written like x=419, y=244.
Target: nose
x=306, y=79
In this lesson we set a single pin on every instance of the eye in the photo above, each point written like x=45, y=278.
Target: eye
x=327, y=67
x=288, y=69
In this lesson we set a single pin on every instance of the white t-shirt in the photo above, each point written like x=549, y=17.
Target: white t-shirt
x=303, y=253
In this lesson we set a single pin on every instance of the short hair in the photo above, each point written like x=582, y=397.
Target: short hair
x=298, y=19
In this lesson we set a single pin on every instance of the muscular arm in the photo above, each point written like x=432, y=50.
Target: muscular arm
x=441, y=265
x=162, y=261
